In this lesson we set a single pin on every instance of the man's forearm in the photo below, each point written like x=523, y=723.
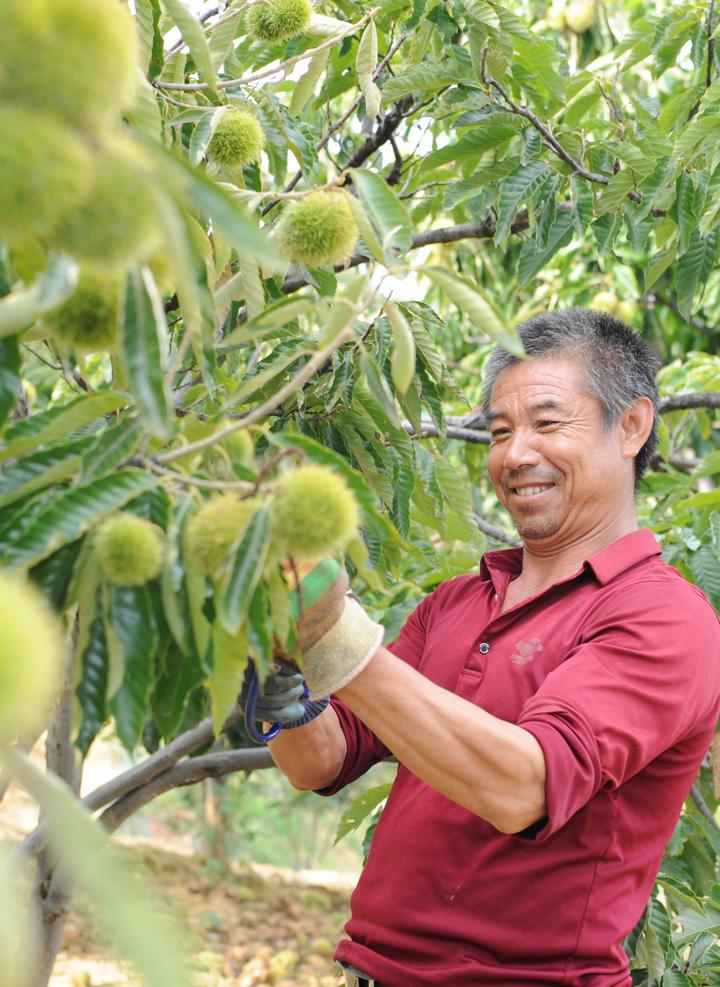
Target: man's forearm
x=311, y=756
x=494, y=768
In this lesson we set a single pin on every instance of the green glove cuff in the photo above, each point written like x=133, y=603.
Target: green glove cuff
x=342, y=652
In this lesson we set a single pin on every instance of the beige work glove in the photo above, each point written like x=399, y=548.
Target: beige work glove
x=336, y=638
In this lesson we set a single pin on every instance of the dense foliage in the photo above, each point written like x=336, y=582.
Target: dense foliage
x=437, y=171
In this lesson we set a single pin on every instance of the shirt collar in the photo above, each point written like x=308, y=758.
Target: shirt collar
x=605, y=565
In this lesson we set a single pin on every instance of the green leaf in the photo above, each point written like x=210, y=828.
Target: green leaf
x=21, y=308
x=497, y=129
x=387, y=214
x=132, y=620
x=111, y=448
x=705, y=568
x=471, y=301
x=48, y=426
x=693, y=269
x=144, y=331
x=402, y=358
x=92, y=689
x=305, y=87
x=125, y=910
x=230, y=658
x=244, y=569
x=203, y=133
x=344, y=311
x=614, y=194
x=70, y=515
x=260, y=631
x=275, y=368
x=659, y=263
x=365, y=64
x=54, y=574
x=360, y=808
x=194, y=37
x=10, y=380
x=692, y=138
x=516, y=189
x=531, y=259
x=275, y=316
x=42, y=469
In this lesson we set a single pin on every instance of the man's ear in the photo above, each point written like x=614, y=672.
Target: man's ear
x=635, y=426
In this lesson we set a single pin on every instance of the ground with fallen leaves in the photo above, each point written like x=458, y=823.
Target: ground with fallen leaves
x=245, y=929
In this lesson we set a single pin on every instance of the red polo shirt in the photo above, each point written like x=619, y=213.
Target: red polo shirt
x=616, y=672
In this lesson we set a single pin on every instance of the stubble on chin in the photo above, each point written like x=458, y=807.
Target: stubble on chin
x=536, y=528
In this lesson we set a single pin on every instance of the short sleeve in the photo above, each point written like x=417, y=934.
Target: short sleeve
x=645, y=676
x=363, y=747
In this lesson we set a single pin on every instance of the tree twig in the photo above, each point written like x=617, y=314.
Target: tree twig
x=704, y=808
x=188, y=773
x=710, y=44
x=338, y=123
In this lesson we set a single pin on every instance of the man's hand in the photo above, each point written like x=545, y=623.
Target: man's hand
x=283, y=697
x=336, y=638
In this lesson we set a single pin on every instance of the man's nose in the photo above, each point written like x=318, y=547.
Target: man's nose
x=520, y=450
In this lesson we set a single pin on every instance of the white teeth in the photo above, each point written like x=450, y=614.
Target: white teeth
x=528, y=491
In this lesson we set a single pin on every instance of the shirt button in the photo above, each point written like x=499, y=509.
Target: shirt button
x=483, y=648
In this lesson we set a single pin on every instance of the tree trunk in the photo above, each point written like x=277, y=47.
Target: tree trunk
x=214, y=822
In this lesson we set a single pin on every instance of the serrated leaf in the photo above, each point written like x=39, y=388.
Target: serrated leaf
x=194, y=37
x=365, y=64
x=252, y=285
x=92, y=689
x=56, y=423
x=344, y=310
x=402, y=358
x=260, y=631
x=54, y=574
x=144, y=115
x=273, y=317
x=112, y=447
x=244, y=569
x=705, y=568
x=275, y=368
x=42, y=469
x=614, y=194
x=230, y=658
x=367, y=231
x=203, y=133
x=693, y=269
x=221, y=39
x=695, y=135
x=144, y=331
x=305, y=87
x=387, y=213
x=360, y=808
x=497, y=129
x=532, y=259
x=659, y=263
x=70, y=515
x=133, y=622
x=470, y=300
x=514, y=190
x=22, y=307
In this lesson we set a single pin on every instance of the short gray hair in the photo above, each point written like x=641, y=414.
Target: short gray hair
x=619, y=365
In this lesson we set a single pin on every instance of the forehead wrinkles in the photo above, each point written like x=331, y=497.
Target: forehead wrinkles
x=529, y=399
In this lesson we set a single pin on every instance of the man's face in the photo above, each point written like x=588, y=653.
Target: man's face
x=558, y=473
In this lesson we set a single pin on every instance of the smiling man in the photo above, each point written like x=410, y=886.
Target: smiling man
x=548, y=714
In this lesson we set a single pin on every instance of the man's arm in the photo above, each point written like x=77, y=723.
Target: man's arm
x=311, y=756
x=491, y=767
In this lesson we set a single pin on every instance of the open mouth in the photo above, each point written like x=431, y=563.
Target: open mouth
x=529, y=492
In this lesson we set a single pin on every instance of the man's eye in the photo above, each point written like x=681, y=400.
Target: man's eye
x=499, y=433
x=547, y=423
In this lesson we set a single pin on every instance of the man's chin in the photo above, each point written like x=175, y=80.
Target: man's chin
x=536, y=529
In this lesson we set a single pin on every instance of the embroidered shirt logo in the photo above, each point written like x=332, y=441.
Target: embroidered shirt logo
x=525, y=651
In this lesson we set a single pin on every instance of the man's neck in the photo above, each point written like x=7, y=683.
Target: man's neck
x=546, y=564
